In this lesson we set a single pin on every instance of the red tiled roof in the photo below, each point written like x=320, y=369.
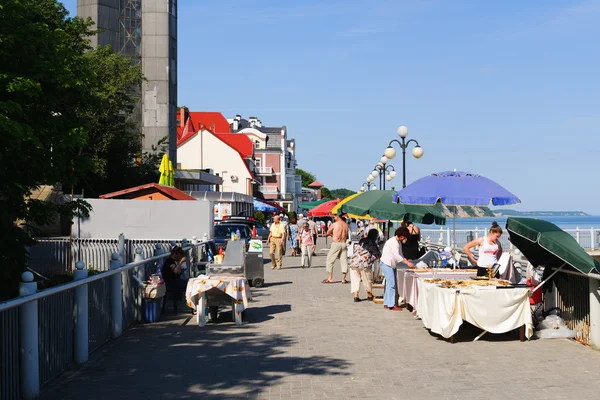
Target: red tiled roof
x=168, y=191
x=239, y=142
x=316, y=184
x=213, y=121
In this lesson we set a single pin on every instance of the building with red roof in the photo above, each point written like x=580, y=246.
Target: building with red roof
x=204, y=141
x=149, y=191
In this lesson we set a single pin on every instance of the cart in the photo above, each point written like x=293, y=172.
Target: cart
x=255, y=266
x=224, y=285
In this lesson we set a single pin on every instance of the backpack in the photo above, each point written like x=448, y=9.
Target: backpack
x=361, y=258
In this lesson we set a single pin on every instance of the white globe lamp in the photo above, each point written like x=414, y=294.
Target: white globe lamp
x=375, y=174
x=417, y=152
x=393, y=174
x=389, y=152
x=384, y=160
x=402, y=131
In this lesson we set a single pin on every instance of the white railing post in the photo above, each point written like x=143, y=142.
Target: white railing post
x=441, y=239
x=28, y=340
x=116, y=298
x=122, y=248
x=476, y=233
x=593, y=239
x=594, y=313
x=140, y=273
x=577, y=235
x=81, y=334
x=448, y=237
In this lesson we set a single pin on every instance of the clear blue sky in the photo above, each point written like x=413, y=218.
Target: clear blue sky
x=507, y=89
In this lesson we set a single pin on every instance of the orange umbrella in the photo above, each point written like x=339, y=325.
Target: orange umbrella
x=323, y=210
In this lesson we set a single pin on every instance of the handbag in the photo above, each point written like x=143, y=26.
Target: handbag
x=361, y=258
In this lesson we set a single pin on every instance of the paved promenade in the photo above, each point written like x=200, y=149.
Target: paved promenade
x=306, y=340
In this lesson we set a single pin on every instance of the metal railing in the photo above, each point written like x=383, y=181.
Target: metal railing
x=264, y=170
x=573, y=305
x=269, y=189
x=587, y=238
x=42, y=333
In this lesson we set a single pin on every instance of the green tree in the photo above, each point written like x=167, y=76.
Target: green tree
x=114, y=137
x=307, y=177
x=342, y=193
x=44, y=84
x=326, y=193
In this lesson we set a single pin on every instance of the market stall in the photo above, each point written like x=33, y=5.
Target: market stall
x=224, y=285
x=493, y=307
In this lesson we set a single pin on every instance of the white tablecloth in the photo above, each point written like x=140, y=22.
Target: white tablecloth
x=408, y=289
x=235, y=288
x=494, y=310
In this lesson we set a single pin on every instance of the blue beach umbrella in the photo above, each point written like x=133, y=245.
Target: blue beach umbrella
x=263, y=207
x=455, y=188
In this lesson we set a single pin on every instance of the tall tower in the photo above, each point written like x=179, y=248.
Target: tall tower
x=145, y=31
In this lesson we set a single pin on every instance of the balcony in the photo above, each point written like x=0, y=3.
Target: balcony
x=265, y=171
x=269, y=189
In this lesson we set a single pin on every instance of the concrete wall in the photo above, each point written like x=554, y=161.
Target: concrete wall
x=159, y=63
x=205, y=150
x=105, y=14
x=147, y=219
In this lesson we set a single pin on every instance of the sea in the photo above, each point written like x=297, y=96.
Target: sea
x=566, y=222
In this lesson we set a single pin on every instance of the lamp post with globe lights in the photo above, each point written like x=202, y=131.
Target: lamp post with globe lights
x=390, y=152
x=366, y=186
x=384, y=172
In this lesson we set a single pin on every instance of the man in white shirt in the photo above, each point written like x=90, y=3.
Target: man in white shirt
x=390, y=257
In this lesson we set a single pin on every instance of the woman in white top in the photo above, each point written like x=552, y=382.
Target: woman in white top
x=490, y=249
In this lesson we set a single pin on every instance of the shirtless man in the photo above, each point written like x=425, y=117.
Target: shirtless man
x=339, y=233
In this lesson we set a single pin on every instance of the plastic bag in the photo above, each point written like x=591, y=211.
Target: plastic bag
x=559, y=333
x=552, y=322
x=554, y=327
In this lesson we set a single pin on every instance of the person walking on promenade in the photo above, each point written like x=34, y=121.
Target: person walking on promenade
x=308, y=246
x=339, y=233
x=390, y=257
x=490, y=249
x=275, y=241
x=312, y=225
x=292, y=230
x=361, y=264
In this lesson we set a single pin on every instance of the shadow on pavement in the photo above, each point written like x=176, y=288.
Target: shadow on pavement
x=217, y=361
x=468, y=332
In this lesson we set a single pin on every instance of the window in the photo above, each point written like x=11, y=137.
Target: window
x=257, y=162
x=257, y=144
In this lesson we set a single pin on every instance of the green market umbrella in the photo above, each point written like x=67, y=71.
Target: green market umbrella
x=544, y=243
x=379, y=204
x=313, y=204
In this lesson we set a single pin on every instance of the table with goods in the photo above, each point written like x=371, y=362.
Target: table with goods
x=444, y=298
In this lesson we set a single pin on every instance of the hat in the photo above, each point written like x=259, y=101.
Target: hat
x=300, y=216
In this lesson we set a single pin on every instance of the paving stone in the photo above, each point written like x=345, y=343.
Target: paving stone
x=307, y=340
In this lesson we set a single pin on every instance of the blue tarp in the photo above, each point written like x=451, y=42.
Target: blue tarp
x=260, y=206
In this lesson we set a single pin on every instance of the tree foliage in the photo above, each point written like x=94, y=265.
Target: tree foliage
x=307, y=177
x=63, y=120
x=326, y=193
x=342, y=193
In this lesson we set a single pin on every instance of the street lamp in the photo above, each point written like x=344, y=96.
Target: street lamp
x=384, y=172
x=367, y=186
x=390, y=152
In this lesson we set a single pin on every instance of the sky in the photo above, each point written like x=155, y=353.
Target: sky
x=506, y=89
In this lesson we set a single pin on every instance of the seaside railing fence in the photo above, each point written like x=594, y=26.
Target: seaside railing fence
x=588, y=238
x=42, y=333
